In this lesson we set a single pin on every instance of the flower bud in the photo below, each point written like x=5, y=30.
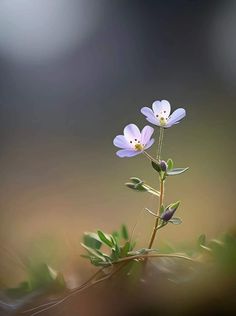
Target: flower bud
x=163, y=165
x=169, y=211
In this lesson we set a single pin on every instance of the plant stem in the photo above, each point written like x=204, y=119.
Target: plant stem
x=160, y=142
x=85, y=286
x=158, y=255
x=149, y=156
x=146, y=186
x=155, y=228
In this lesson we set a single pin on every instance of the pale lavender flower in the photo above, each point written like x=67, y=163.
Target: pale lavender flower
x=160, y=114
x=133, y=142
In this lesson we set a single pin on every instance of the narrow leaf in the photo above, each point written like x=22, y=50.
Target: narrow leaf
x=176, y=171
x=125, y=249
x=135, y=180
x=156, y=166
x=137, y=186
x=206, y=248
x=93, y=252
x=175, y=220
x=124, y=232
x=92, y=240
x=201, y=240
x=116, y=235
x=106, y=239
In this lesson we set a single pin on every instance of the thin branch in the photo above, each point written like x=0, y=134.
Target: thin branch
x=76, y=291
x=149, y=157
x=159, y=255
x=146, y=209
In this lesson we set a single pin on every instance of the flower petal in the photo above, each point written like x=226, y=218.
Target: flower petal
x=150, y=143
x=121, y=142
x=131, y=131
x=161, y=107
x=150, y=117
x=127, y=153
x=146, y=134
x=153, y=121
x=146, y=111
x=175, y=117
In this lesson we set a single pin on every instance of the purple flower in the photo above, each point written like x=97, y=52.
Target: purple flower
x=133, y=142
x=160, y=114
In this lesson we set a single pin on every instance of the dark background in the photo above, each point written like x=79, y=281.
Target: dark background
x=72, y=75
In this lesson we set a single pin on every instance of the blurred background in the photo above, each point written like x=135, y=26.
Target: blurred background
x=72, y=75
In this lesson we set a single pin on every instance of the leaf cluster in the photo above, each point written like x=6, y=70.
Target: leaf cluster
x=139, y=185
x=167, y=168
x=104, y=249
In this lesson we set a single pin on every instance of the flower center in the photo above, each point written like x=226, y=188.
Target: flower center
x=138, y=147
x=163, y=121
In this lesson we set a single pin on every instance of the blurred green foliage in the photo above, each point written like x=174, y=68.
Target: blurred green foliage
x=40, y=277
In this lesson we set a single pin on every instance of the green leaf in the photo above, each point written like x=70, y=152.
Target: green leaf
x=156, y=166
x=170, y=164
x=135, y=180
x=130, y=185
x=96, y=261
x=125, y=249
x=60, y=281
x=41, y=276
x=138, y=186
x=19, y=291
x=124, y=232
x=93, y=252
x=201, y=240
x=106, y=239
x=108, y=258
x=206, y=248
x=116, y=236
x=114, y=241
x=92, y=240
x=175, y=220
x=115, y=255
x=176, y=171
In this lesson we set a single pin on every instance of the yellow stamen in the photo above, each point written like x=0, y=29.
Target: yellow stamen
x=163, y=121
x=138, y=147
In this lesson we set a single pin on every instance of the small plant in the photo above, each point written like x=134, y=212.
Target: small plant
x=112, y=252
x=132, y=143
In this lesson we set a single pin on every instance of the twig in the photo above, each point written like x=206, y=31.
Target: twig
x=76, y=291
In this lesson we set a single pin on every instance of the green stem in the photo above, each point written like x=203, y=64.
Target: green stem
x=155, y=228
x=151, y=190
x=149, y=156
x=159, y=255
x=87, y=285
x=160, y=142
